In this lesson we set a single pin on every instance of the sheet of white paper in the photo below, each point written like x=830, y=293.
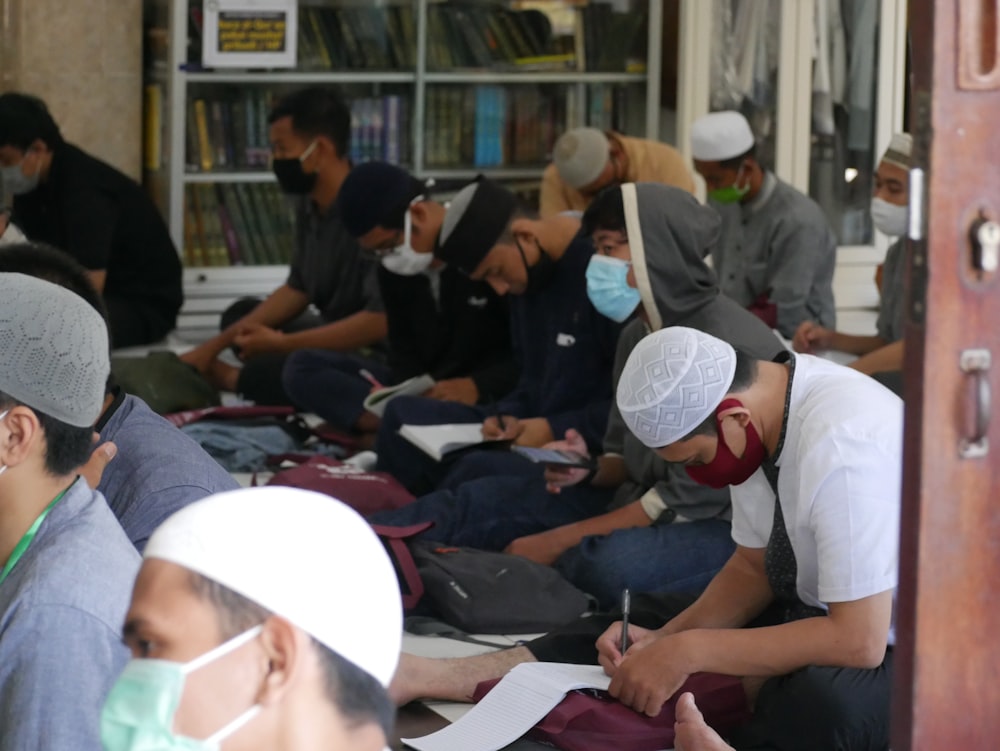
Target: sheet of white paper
x=524, y=696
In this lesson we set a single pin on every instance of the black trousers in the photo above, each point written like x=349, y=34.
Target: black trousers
x=811, y=709
x=260, y=376
x=133, y=323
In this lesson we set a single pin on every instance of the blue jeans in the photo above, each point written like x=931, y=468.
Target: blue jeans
x=329, y=384
x=491, y=512
x=680, y=557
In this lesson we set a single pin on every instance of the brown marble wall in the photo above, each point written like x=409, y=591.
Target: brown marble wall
x=84, y=58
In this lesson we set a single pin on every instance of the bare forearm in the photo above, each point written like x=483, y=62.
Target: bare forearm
x=623, y=518
x=856, y=345
x=611, y=471
x=281, y=306
x=737, y=595
x=359, y=330
x=889, y=357
x=777, y=650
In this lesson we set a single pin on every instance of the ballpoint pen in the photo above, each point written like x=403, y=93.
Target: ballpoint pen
x=626, y=606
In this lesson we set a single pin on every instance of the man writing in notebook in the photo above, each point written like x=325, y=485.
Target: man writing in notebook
x=563, y=347
x=441, y=323
x=635, y=521
x=812, y=453
x=309, y=132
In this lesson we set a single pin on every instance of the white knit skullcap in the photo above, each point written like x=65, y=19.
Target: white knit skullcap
x=581, y=155
x=53, y=350
x=674, y=379
x=301, y=555
x=900, y=151
x=718, y=136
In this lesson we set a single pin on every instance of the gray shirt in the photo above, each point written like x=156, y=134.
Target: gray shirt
x=778, y=245
x=158, y=469
x=61, y=613
x=329, y=268
x=890, y=313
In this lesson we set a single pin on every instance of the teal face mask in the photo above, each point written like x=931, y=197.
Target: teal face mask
x=138, y=714
x=731, y=193
x=608, y=289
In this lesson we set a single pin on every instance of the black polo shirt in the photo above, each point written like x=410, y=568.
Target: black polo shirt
x=105, y=221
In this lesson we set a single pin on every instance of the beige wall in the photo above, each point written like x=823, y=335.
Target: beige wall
x=84, y=58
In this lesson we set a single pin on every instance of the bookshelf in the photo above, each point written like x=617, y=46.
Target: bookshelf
x=447, y=88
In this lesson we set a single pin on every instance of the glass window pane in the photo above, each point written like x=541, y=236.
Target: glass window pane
x=842, y=158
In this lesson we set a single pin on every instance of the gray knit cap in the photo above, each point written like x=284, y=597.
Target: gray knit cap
x=53, y=350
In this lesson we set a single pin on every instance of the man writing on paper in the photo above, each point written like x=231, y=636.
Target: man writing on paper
x=777, y=253
x=882, y=354
x=585, y=161
x=812, y=453
x=636, y=521
x=235, y=649
x=563, y=347
x=441, y=323
x=309, y=132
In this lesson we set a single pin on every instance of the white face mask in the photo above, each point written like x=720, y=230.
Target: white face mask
x=403, y=259
x=888, y=218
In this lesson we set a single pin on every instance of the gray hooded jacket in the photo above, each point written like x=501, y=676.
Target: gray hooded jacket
x=669, y=234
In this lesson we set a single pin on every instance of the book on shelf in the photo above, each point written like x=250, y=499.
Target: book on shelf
x=442, y=442
x=232, y=224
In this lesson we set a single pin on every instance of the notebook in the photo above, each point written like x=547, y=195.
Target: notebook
x=377, y=400
x=443, y=441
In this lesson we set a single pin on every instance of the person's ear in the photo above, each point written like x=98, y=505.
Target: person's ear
x=286, y=649
x=741, y=413
x=20, y=430
x=419, y=215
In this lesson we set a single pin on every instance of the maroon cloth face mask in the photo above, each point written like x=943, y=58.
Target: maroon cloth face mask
x=727, y=468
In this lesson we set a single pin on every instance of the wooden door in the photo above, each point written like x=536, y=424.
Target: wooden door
x=947, y=684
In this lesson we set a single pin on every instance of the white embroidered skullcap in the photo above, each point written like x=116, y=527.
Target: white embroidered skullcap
x=900, y=151
x=54, y=349
x=301, y=555
x=580, y=155
x=674, y=379
x=718, y=136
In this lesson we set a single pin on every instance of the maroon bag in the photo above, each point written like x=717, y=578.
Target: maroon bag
x=593, y=721
x=365, y=492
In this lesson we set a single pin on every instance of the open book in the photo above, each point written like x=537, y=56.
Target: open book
x=378, y=399
x=439, y=441
x=523, y=697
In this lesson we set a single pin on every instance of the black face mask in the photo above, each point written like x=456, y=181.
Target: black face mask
x=292, y=178
x=539, y=274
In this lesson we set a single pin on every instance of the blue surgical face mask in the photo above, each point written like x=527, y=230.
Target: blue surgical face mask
x=138, y=714
x=14, y=181
x=608, y=288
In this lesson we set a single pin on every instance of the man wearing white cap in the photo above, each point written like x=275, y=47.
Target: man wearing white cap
x=66, y=563
x=280, y=631
x=882, y=353
x=777, y=253
x=585, y=161
x=812, y=453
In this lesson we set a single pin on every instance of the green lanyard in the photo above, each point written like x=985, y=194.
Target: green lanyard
x=25, y=541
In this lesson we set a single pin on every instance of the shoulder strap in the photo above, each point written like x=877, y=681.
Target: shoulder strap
x=395, y=538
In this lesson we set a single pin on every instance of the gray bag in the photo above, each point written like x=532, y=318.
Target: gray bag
x=483, y=592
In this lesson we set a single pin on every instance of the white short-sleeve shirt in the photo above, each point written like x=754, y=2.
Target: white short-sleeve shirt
x=839, y=479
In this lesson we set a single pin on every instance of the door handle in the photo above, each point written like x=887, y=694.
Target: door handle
x=976, y=363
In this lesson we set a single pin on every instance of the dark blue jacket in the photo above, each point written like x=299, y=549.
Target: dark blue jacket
x=566, y=352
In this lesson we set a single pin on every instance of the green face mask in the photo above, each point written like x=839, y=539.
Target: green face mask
x=731, y=193
x=138, y=714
